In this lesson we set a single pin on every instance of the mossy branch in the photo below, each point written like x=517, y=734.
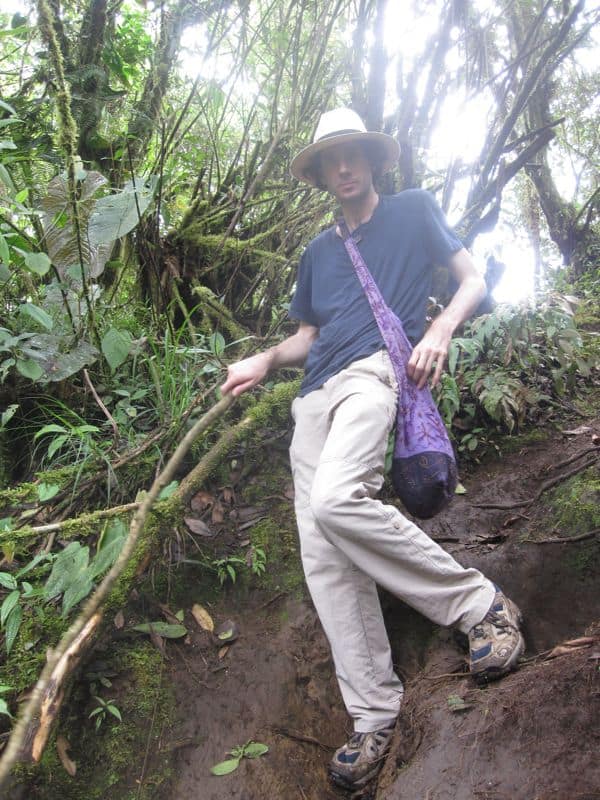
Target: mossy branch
x=271, y=407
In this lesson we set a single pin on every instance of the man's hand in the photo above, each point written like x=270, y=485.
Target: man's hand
x=430, y=354
x=246, y=374
x=433, y=347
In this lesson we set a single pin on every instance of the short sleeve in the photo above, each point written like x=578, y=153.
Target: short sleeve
x=301, y=305
x=441, y=242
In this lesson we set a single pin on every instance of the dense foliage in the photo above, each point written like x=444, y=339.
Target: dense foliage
x=149, y=228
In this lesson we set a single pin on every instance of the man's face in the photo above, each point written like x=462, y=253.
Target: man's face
x=346, y=172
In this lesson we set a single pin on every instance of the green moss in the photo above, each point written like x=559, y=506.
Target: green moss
x=273, y=409
x=40, y=629
x=575, y=505
x=512, y=444
x=110, y=760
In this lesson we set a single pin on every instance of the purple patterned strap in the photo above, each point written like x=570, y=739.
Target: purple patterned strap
x=398, y=347
x=419, y=426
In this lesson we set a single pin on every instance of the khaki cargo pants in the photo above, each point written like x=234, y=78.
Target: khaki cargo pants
x=350, y=541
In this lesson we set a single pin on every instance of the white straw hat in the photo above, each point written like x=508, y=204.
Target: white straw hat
x=335, y=127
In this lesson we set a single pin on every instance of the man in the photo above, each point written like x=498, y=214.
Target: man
x=350, y=541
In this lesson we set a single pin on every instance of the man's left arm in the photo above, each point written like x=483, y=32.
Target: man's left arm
x=431, y=352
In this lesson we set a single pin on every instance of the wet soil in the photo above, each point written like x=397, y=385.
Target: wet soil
x=532, y=736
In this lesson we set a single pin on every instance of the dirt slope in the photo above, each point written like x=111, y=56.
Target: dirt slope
x=533, y=736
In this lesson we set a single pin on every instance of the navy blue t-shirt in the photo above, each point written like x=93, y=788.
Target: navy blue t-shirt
x=406, y=236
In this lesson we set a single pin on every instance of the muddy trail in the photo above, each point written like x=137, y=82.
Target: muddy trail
x=530, y=519
x=532, y=736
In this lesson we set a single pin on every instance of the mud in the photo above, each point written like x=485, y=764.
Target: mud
x=532, y=736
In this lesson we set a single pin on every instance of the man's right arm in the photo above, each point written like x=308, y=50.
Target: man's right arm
x=291, y=352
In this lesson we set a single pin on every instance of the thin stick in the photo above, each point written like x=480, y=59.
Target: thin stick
x=301, y=737
x=104, y=409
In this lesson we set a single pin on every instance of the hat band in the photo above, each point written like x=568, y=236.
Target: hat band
x=338, y=133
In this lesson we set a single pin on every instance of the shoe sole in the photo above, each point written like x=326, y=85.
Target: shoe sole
x=345, y=783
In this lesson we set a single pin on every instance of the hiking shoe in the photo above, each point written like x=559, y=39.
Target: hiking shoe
x=358, y=761
x=496, y=642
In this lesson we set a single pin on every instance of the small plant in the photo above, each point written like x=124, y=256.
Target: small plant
x=227, y=567
x=102, y=710
x=249, y=750
x=73, y=572
x=258, y=560
x=11, y=611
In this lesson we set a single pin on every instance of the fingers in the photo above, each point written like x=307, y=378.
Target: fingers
x=421, y=364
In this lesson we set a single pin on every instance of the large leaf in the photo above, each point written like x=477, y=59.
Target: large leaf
x=37, y=314
x=117, y=214
x=37, y=262
x=116, y=346
x=64, y=246
x=68, y=566
x=106, y=556
x=29, y=368
x=56, y=365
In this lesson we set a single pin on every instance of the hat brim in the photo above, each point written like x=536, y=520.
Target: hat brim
x=302, y=165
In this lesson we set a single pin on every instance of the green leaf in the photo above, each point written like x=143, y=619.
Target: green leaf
x=4, y=251
x=10, y=601
x=37, y=262
x=5, y=273
x=78, y=588
x=114, y=529
x=7, y=580
x=46, y=491
x=116, y=346
x=8, y=414
x=225, y=767
x=72, y=562
x=115, y=215
x=6, y=179
x=168, y=490
x=4, y=708
x=38, y=315
x=29, y=369
x=165, y=629
x=460, y=489
x=7, y=107
x=216, y=343
x=13, y=623
x=56, y=444
x=114, y=711
x=255, y=749
x=51, y=428
x=106, y=556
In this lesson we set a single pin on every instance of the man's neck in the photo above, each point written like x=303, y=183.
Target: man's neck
x=361, y=210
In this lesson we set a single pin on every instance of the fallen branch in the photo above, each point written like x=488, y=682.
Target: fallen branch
x=571, y=459
x=38, y=731
x=33, y=707
x=566, y=539
x=543, y=488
